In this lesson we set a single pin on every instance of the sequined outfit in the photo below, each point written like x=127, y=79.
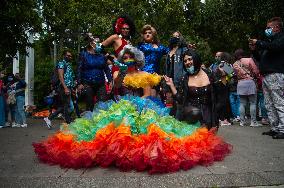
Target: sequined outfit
x=202, y=98
x=153, y=56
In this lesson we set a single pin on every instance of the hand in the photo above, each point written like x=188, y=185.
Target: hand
x=66, y=91
x=169, y=81
x=80, y=87
x=252, y=41
x=193, y=46
x=109, y=85
x=122, y=67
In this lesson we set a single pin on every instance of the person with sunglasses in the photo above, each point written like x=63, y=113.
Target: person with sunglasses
x=124, y=29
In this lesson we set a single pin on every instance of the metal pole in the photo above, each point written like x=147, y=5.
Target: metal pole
x=16, y=64
x=29, y=74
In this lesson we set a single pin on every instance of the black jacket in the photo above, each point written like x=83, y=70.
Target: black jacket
x=183, y=89
x=270, y=54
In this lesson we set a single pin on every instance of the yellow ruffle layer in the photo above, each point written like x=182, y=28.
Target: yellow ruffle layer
x=141, y=80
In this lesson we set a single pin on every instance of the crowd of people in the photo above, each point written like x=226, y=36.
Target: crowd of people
x=12, y=100
x=241, y=87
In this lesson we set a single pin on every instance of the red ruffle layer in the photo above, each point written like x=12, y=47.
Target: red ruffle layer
x=157, y=151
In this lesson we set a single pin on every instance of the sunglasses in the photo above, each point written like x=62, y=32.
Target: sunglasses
x=125, y=28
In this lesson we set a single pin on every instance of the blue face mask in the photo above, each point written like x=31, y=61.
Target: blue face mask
x=98, y=48
x=269, y=32
x=190, y=70
x=10, y=79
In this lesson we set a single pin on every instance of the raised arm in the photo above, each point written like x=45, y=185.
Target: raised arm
x=110, y=40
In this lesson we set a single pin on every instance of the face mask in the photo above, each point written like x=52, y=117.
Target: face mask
x=98, y=48
x=190, y=70
x=67, y=59
x=129, y=62
x=268, y=32
x=174, y=41
x=10, y=79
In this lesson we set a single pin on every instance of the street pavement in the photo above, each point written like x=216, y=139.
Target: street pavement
x=256, y=161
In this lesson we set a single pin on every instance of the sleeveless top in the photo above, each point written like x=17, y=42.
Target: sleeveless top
x=123, y=43
x=198, y=96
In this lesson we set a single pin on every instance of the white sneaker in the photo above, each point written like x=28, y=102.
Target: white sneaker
x=255, y=124
x=237, y=119
x=225, y=123
x=242, y=124
x=48, y=122
x=24, y=125
x=16, y=125
x=13, y=124
x=1, y=127
x=7, y=124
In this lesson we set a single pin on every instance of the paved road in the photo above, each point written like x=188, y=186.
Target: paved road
x=256, y=160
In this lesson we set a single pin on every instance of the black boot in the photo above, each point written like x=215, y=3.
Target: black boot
x=269, y=133
x=278, y=136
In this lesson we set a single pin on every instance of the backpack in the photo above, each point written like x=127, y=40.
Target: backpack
x=54, y=80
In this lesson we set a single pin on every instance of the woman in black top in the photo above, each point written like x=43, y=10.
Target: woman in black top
x=195, y=92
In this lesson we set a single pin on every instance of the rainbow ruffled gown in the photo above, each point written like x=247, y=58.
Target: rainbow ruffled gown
x=133, y=133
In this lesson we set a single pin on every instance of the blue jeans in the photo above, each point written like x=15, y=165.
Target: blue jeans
x=20, y=112
x=10, y=108
x=2, y=111
x=251, y=99
x=235, y=104
x=262, y=105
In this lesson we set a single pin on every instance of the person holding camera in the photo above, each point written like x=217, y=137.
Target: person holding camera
x=270, y=55
x=247, y=72
x=221, y=76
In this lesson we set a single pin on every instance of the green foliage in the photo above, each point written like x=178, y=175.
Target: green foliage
x=217, y=25
x=16, y=19
x=228, y=23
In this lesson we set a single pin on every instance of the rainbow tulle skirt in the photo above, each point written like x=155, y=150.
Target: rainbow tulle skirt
x=134, y=133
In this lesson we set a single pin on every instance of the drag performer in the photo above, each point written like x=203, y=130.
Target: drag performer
x=129, y=78
x=152, y=50
x=132, y=133
x=124, y=29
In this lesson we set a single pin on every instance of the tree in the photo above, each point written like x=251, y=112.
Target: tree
x=17, y=18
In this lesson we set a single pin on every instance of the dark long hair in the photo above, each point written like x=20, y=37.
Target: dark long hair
x=124, y=20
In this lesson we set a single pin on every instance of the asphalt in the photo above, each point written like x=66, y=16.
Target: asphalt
x=256, y=161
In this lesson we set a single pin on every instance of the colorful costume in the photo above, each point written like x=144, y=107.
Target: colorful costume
x=153, y=56
x=134, y=133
